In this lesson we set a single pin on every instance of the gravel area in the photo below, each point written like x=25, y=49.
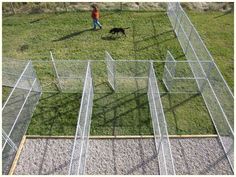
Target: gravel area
x=199, y=156
x=44, y=157
x=123, y=156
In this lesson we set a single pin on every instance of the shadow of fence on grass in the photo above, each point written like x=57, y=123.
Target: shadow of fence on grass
x=111, y=114
x=72, y=35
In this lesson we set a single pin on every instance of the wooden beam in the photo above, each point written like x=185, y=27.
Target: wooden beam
x=120, y=136
x=13, y=166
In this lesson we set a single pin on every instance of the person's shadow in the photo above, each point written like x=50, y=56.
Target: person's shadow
x=72, y=35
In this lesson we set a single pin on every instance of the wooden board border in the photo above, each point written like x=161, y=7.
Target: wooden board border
x=120, y=137
x=14, y=163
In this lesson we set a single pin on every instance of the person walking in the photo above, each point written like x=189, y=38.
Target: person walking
x=95, y=16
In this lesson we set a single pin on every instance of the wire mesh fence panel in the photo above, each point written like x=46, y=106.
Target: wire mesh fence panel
x=45, y=75
x=17, y=112
x=199, y=47
x=169, y=71
x=214, y=89
x=78, y=158
x=69, y=78
x=11, y=71
x=132, y=68
x=8, y=154
x=178, y=76
x=71, y=74
x=220, y=121
x=100, y=77
x=165, y=159
x=132, y=76
x=130, y=85
x=222, y=93
x=110, y=70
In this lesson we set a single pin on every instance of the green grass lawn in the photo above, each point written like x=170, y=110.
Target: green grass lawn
x=5, y=93
x=121, y=114
x=69, y=36
x=56, y=114
x=217, y=32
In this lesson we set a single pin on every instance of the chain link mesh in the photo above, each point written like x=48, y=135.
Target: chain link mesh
x=78, y=158
x=214, y=89
x=18, y=108
x=165, y=159
x=110, y=70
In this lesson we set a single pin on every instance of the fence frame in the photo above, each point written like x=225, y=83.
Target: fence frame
x=111, y=70
x=34, y=88
x=79, y=132
x=175, y=8
x=56, y=73
x=159, y=126
x=169, y=69
x=168, y=169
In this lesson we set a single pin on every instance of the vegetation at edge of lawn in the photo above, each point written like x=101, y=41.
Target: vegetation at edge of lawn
x=66, y=34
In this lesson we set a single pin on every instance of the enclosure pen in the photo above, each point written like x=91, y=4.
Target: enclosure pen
x=126, y=75
x=119, y=83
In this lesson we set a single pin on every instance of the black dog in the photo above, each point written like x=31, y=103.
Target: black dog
x=118, y=30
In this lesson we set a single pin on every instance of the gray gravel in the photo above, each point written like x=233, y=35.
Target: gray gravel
x=199, y=156
x=44, y=156
x=123, y=156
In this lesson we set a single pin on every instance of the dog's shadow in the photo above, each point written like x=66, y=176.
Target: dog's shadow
x=110, y=37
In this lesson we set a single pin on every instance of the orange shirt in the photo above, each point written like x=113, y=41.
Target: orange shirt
x=95, y=14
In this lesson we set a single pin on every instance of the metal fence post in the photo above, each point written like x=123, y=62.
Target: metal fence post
x=56, y=73
x=180, y=19
x=8, y=140
x=176, y=19
x=189, y=38
x=207, y=76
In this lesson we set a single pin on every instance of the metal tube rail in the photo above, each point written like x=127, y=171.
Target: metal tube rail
x=16, y=85
x=55, y=70
x=17, y=117
x=225, y=118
